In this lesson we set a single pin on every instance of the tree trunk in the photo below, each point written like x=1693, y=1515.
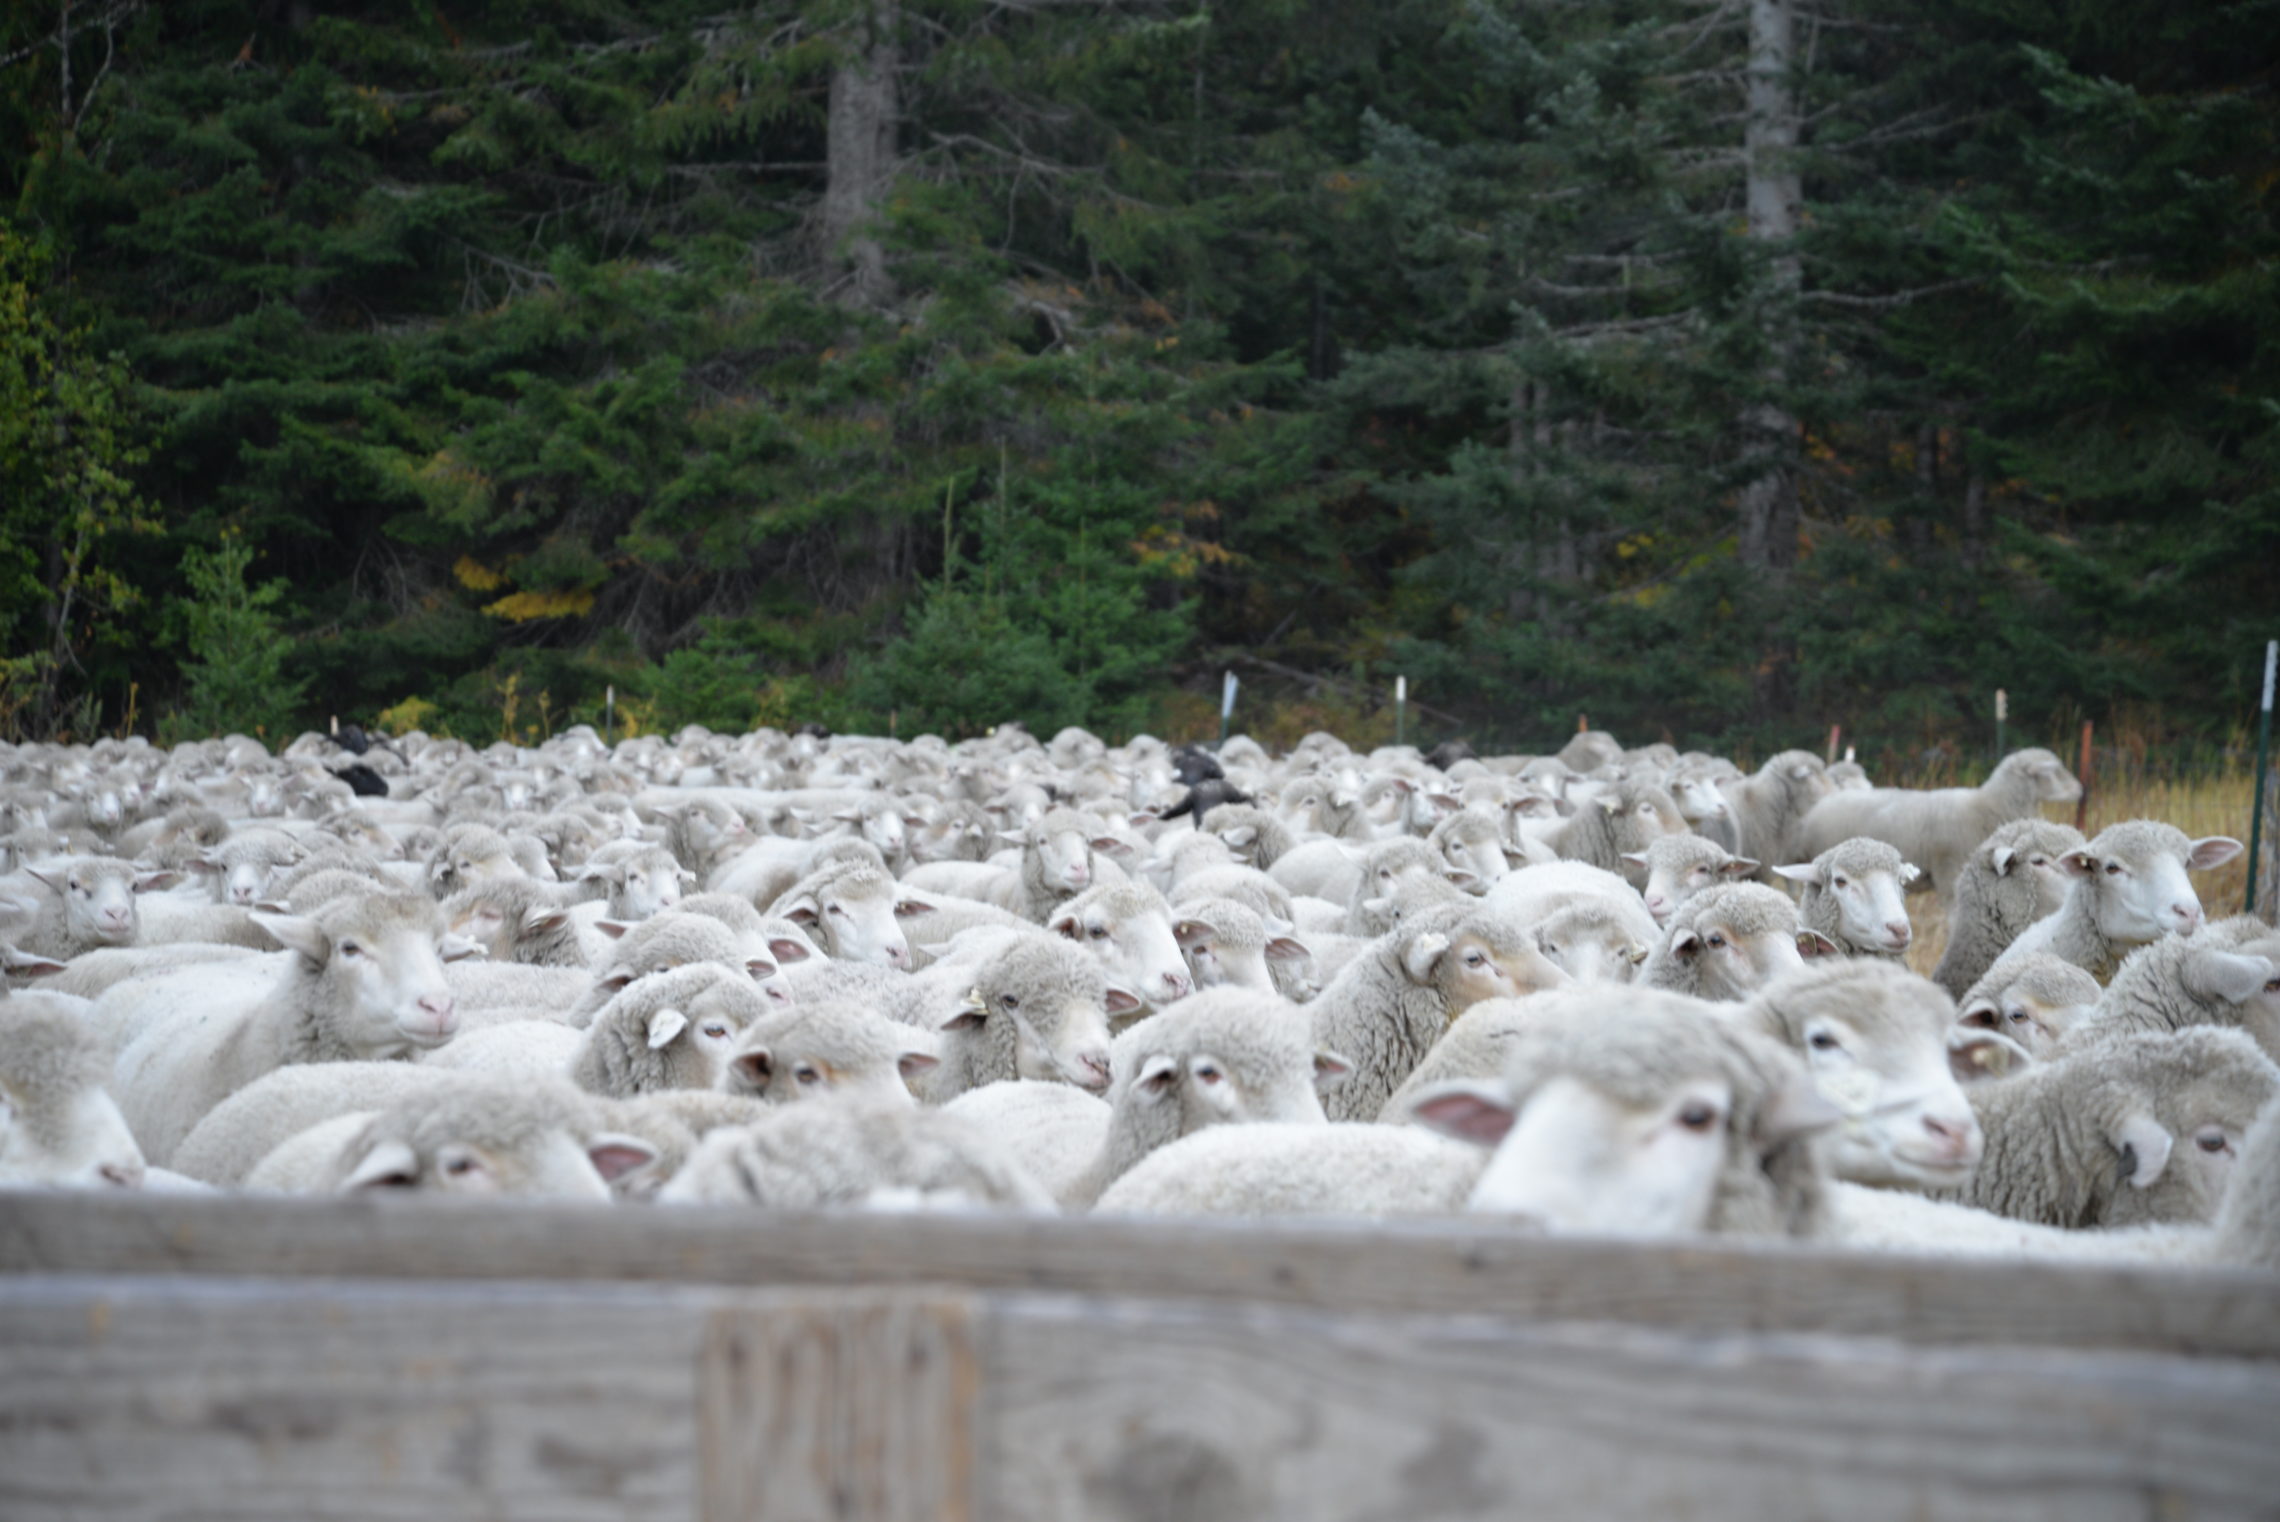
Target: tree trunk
x=1769, y=433
x=860, y=157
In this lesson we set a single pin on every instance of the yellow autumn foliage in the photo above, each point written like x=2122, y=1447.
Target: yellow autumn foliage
x=522, y=607
x=476, y=576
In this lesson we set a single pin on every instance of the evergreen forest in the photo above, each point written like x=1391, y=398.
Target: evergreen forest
x=1719, y=369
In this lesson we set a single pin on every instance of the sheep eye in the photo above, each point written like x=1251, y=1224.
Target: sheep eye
x=2211, y=1140
x=1098, y=932
x=2113, y=869
x=351, y=949
x=1697, y=1116
x=459, y=1165
x=1009, y=1001
x=1207, y=1074
x=1839, y=883
x=1474, y=959
x=2038, y=861
x=1821, y=1041
x=1714, y=941
x=837, y=909
x=716, y=1030
x=2016, y=1016
x=805, y=1074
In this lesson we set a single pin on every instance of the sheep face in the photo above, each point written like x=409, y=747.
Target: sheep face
x=2037, y=865
x=1061, y=850
x=2245, y=978
x=1135, y=947
x=2137, y=878
x=552, y=1165
x=380, y=973
x=1471, y=965
x=1060, y=1032
x=1474, y=859
x=1573, y=1158
x=99, y=897
x=1732, y=959
x=1670, y=883
x=79, y=1141
x=1864, y=883
x=2035, y=1008
x=1699, y=801
x=1589, y=944
x=1906, y=1120
x=855, y=918
x=644, y=885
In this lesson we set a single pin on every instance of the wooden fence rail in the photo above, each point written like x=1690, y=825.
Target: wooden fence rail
x=394, y=1360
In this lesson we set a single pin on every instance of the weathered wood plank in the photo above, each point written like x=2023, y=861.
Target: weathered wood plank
x=846, y=1407
x=384, y=1401
x=1136, y=1411
x=1408, y=1267
x=217, y=1398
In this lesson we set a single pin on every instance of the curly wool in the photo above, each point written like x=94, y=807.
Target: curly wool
x=618, y=1060
x=1989, y=906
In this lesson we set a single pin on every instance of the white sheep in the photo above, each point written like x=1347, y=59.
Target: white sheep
x=1294, y=1168
x=1679, y=866
x=1221, y=1058
x=1128, y=926
x=2010, y=880
x=243, y=1129
x=828, y=1048
x=1390, y=1004
x=1726, y=943
x=674, y=1030
x=1032, y=1007
x=59, y=1127
x=1876, y=1039
x=1229, y=944
x=517, y=920
x=1771, y=803
x=2134, y=1127
x=2034, y=1000
x=1852, y=897
x=1937, y=828
x=2228, y=974
x=2128, y=889
x=1619, y=822
x=84, y=902
x=1535, y=894
x=364, y=979
x=464, y=1135
x=855, y=1152
x=851, y=911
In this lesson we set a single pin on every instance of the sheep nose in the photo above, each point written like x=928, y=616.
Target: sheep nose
x=441, y=1012
x=125, y=1175
x=898, y=954
x=2188, y=917
x=1179, y=984
x=1955, y=1133
x=1092, y=1070
x=1900, y=931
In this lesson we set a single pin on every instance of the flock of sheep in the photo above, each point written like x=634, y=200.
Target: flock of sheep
x=1608, y=991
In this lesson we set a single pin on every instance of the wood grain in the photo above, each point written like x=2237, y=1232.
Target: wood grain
x=856, y=1406
x=1155, y=1412
x=1454, y=1267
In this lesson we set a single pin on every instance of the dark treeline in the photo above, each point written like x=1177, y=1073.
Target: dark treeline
x=1724, y=368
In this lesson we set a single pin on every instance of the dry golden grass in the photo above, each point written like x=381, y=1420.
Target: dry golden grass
x=2214, y=805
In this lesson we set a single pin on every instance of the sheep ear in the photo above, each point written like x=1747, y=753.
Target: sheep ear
x=2225, y=975
x=912, y=1063
x=1975, y=1054
x=787, y=951
x=759, y=969
x=1330, y=1068
x=1241, y=836
x=1740, y=866
x=1476, y=1112
x=2144, y=1146
x=1463, y=877
x=912, y=908
x=614, y=1155
x=44, y=877
x=390, y=1165
x=1811, y=944
x=1609, y=803
x=599, y=872
x=25, y=965
x=1636, y=858
x=1801, y=872
x=2078, y=864
x=297, y=932
x=1191, y=934
x=543, y=917
x=1156, y=1075
x=613, y=981
x=1282, y=948
x=664, y=1026
x=2212, y=851
x=802, y=910
x=1110, y=844
x=971, y=1013
x=2001, y=858
x=753, y=1067
x=207, y=864
x=1013, y=837
x=1065, y=925
x=458, y=948
x=1794, y=1109
x=614, y=929
x=1122, y=1001
x=1909, y=872
x=1979, y=1014
x=1418, y=957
